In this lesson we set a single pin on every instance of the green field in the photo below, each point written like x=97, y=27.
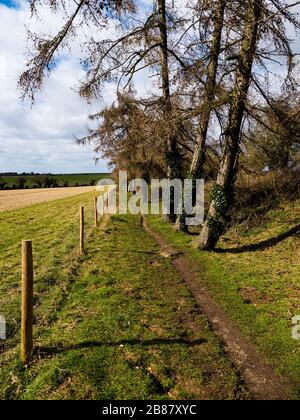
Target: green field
x=70, y=180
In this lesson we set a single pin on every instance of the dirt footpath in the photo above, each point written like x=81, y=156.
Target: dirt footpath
x=259, y=376
x=16, y=199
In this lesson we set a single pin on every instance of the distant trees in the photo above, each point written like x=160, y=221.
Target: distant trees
x=2, y=183
x=21, y=181
x=39, y=180
x=222, y=191
x=44, y=181
x=49, y=182
x=259, y=22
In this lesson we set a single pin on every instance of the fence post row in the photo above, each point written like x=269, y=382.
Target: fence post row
x=27, y=288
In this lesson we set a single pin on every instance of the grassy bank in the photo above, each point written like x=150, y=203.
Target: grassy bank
x=255, y=277
x=124, y=327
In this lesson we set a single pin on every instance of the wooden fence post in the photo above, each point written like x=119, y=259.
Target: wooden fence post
x=81, y=243
x=27, y=302
x=95, y=212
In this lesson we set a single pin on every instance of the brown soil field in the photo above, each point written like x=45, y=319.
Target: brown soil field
x=15, y=199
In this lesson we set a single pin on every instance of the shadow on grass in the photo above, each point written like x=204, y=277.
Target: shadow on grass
x=260, y=246
x=94, y=344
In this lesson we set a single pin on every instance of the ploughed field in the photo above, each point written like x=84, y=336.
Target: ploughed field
x=16, y=199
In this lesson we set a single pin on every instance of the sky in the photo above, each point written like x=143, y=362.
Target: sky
x=41, y=138
x=9, y=3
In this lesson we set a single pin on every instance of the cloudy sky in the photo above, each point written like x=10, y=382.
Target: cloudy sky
x=40, y=138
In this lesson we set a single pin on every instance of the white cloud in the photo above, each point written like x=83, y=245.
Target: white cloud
x=40, y=138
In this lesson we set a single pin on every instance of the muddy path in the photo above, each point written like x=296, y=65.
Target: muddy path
x=259, y=375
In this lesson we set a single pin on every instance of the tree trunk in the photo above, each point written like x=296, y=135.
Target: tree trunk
x=222, y=192
x=198, y=160
x=210, y=89
x=172, y=156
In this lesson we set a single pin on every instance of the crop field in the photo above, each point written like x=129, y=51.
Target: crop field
x=14, y=199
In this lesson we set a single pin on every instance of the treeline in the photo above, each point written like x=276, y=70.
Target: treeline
x=20, y=182
x=39, y=181
x=222, y=96
x=23, y=173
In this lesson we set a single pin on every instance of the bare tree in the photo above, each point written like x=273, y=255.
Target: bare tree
x=208, y=96
x=209, y=90
x=143, y=44
x=272, y=141
x=44, y=50
x=260, y=22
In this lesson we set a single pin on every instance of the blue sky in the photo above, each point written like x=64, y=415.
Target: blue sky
x=9, y=3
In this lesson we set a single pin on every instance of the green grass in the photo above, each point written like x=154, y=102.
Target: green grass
x=258, y=287
x=117, y=323
x=71, y=179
